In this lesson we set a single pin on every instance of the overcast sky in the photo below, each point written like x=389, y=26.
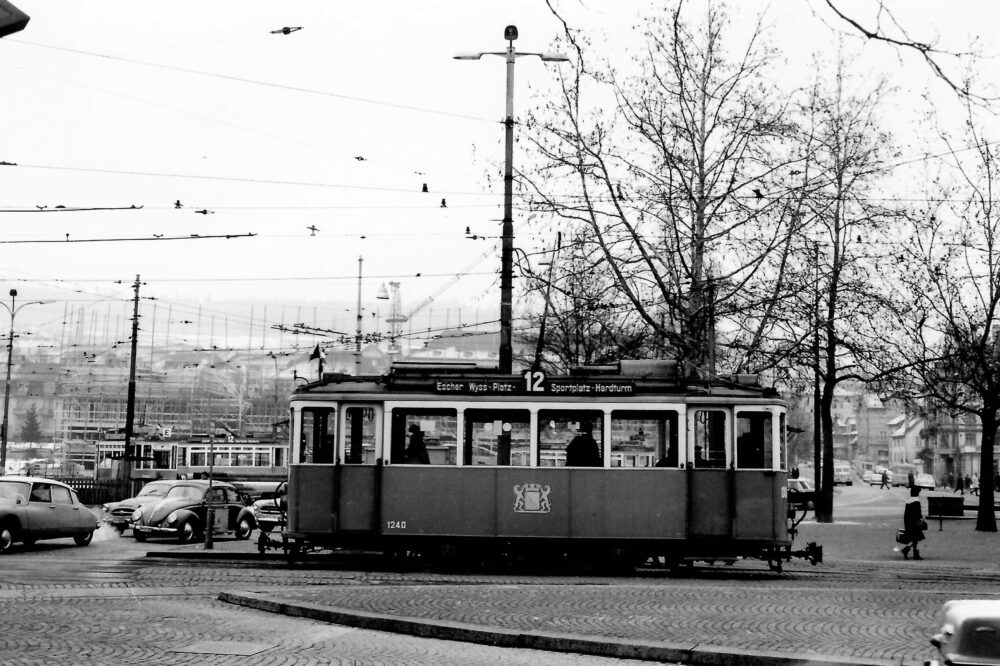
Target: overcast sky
x=337, y=126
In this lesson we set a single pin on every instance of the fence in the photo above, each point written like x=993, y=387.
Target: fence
x=94, y=493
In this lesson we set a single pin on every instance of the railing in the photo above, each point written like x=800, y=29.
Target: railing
x=95, y=492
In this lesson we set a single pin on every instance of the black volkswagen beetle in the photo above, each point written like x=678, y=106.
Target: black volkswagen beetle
x=183, y=511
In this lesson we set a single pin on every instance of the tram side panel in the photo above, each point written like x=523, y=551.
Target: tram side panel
x=710, y=503
x=356, y=493
x=627, y=504
x=312, y=497
x=760, y=513
x=439, y=501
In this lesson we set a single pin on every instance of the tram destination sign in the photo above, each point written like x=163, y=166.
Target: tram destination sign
x=536, y=383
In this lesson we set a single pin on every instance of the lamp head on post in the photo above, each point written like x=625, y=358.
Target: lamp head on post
x=510, y=33
x=13, y=293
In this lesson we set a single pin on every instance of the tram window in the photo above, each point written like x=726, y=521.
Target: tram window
x=317, y=439
x=782, y=449
x=437, y=427
x=754, y=443
x=161, y=459
x=644, y=439
x=709, y=438
x=359, y=435
x=557, y=428
x=497, y=437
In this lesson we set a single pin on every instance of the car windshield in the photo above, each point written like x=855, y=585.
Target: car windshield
x=185, y=492
x=11, y=489
x=154, y=490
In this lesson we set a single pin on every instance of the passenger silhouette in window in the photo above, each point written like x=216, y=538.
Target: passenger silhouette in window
x=583, y=451
x=416, y=452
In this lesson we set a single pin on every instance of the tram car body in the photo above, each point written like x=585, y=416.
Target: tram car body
x=682, y=471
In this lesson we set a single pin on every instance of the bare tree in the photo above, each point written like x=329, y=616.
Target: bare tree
x=951, y=270
x=677, y=169
x=886, y=29
x=581, y=320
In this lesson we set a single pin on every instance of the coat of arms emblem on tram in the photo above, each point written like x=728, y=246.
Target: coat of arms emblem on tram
x=532, y=498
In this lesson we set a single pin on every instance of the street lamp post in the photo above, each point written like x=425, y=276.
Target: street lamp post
x=6, y=394
x=507, y=252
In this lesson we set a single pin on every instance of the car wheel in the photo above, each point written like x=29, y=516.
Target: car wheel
x=139, y=536
x=244, y=527
x=6, y=540
x=187, y=532
x=83, y=539
x=121, y=528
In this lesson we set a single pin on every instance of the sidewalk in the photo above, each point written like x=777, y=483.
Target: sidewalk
x=863, y=605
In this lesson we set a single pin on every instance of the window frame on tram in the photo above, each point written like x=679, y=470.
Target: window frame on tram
x=702, y=434
x=678, y=431
x=666, y=450
x=354, y=435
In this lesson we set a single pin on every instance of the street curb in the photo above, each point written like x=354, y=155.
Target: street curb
x=696, y=654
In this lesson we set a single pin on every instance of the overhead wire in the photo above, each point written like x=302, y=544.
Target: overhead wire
x=268, y=84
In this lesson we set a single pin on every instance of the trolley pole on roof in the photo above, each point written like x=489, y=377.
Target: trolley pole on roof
x=507, y=252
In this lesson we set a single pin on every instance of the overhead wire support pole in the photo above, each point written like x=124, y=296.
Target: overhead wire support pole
x=507, y=251
x=129, y=453
x=5, y=426
x=357, y=337
x=506, y=351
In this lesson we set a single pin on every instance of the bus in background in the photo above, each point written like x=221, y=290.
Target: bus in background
x=842, y=473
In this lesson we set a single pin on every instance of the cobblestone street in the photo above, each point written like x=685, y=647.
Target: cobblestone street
x=111, y=604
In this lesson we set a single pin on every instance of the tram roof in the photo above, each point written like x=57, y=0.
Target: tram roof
x=622, y=379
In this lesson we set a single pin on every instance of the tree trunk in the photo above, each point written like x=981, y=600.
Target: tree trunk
x=824, y=492
x=986, y=520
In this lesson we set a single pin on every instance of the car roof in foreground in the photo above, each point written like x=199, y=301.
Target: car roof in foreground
x=975, y=628
x=33, y=479
x=203, y=483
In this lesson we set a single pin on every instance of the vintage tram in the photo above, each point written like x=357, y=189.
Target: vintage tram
x=456, y=461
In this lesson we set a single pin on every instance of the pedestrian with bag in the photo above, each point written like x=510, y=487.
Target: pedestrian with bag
x=913, y=525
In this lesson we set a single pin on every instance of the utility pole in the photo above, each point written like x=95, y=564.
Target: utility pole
x=357, y=337
x=507, y=244
x=129, y=455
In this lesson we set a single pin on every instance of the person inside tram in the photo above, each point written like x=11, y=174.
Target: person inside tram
x=583, y=451
x=416, y=452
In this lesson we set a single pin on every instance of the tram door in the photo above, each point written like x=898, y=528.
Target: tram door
x=359, y=473
x=710, y=507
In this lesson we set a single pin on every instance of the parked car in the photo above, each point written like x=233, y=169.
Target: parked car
x=33, y=509
x=801, y=493
x=183, y=512
x=842, y=473
x=875, y=478
x=268, y=512
x=970, y=633
x=923, y=480
x=119, y=514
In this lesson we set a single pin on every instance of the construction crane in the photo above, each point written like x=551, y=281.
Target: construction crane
x=396, y=318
